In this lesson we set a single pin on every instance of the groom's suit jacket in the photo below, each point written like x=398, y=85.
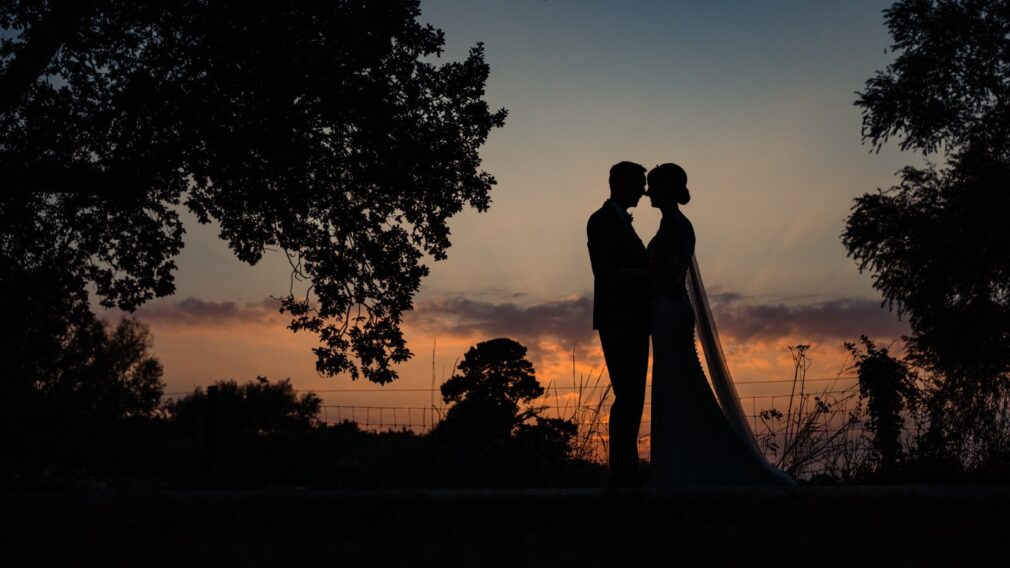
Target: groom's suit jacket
x=620, y=296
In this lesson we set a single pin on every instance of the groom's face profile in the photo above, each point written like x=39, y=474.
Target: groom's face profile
x=630, y=189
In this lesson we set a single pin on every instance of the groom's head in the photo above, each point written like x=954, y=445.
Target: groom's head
x=627, y=183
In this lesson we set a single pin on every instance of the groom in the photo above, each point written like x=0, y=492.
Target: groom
x=621, y=314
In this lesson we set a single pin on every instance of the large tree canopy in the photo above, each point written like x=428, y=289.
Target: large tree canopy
x=936, y=244
x=321, y=128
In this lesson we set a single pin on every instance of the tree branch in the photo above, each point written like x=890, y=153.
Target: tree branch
x=45, y=38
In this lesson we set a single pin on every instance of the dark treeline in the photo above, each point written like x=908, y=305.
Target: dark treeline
x=101, y=421
x=903, y=409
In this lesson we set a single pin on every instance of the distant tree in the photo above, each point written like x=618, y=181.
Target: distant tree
x=936, y=244
x=109, y=371
x=249, y=433
x=494, y=378
x=90, y=393
x=888, y=385
x=491, y=396
x=545, y=440
x=98, y=373
x=323, y=129
x=255, y=409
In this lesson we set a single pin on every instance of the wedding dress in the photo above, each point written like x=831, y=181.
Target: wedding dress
x=697, y=438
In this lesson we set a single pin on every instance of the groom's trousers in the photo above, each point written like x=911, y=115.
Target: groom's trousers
x=626, y=351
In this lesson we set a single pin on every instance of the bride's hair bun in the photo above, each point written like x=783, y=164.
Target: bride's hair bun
x=673, y=178
x=682, y=195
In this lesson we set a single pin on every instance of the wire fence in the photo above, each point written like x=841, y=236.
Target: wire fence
x=840, y=394
x=420, y=419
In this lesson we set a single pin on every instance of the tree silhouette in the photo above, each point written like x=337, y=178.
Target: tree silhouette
x=256, y=432
x=255, y=409
x=888, y=385
x=947, y=88
x=494, y=382
x=107, y=372
x=494, y=378
x=321, y=129
x=936, y=243
x=97, y=373
x=86, y=399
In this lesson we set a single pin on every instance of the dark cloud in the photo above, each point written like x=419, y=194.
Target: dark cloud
x=569, y=321
x=834, y=320
x=716, y=298
x=202, y=313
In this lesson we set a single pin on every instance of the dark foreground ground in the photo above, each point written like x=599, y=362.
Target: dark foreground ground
x=809, y=526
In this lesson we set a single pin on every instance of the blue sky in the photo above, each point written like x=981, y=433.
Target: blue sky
x=754, y=99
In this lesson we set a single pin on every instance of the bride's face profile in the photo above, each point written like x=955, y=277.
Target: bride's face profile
x=667, y=187
x=659, y=196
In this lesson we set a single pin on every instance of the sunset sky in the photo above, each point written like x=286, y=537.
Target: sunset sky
x=753, y=99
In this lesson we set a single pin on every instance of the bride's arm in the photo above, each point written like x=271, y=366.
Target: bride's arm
x=663, y=279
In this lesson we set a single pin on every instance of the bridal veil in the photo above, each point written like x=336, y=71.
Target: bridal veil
x=718, y=371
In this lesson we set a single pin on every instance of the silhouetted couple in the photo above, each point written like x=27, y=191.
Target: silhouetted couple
x=641, y=291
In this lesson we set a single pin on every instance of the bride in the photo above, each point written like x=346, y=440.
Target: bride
x=694, y=440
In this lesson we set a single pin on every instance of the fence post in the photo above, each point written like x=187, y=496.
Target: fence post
x=210, y=429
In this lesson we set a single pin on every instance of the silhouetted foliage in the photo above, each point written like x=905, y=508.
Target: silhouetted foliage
x=97, y=373
x=494, y=379
x=936, y=244
x=888, y=385
x=322, y=129
x=254, y=409
x=86, y=403
x=43, y=305
x=492, y=393
x=947, y=88
x=547, y=440
x=257, y=432
x=106, y=373
x=100, y=422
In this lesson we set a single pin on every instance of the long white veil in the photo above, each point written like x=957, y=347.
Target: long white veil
x=718, y=371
